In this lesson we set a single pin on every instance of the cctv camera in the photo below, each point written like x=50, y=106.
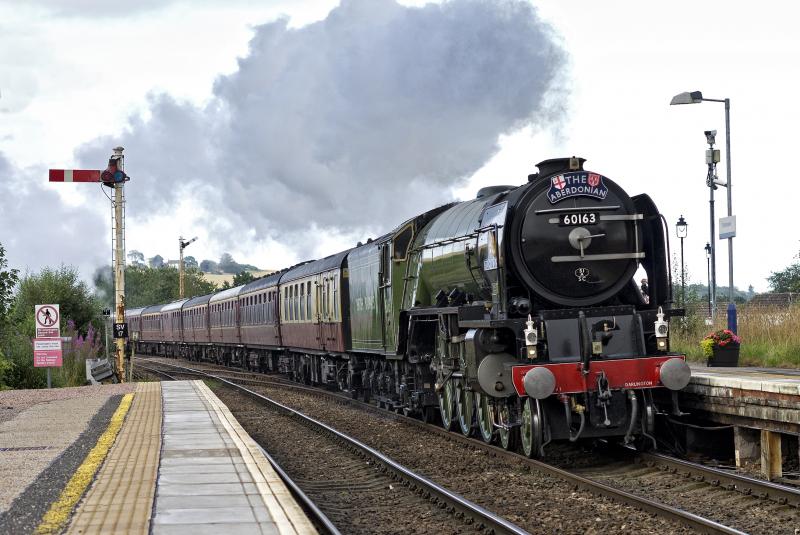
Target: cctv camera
x=710, y=136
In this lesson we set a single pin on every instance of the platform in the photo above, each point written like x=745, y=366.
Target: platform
x=762, y=405
x=167, y=458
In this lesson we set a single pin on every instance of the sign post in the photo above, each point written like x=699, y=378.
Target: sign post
x=47, y=351
x=113, y=177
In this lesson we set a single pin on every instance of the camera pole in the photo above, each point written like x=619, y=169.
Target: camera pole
x=712, y=158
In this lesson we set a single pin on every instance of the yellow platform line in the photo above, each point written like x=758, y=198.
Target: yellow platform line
x=57, y=516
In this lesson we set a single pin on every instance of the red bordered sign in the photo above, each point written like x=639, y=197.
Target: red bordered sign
x=48, y=321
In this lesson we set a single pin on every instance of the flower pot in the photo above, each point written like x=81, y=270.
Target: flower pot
x=727, y=356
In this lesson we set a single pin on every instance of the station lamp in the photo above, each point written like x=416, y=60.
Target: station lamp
x=681, y=230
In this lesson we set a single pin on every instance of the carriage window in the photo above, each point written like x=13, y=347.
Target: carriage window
x=335, y=310
x=302, y=301
x=308, y=300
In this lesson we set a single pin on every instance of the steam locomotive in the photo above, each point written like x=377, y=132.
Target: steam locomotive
x=513, y=316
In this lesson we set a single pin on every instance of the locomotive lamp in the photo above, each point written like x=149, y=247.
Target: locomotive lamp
x=662, y=330
x=531, y=338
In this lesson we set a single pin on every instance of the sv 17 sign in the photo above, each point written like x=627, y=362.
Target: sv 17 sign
x=120, y=330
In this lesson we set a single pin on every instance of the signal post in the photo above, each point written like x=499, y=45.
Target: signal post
x=113, y=177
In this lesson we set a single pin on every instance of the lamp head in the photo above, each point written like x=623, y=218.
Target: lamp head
x=689, y=97
x=681, y=227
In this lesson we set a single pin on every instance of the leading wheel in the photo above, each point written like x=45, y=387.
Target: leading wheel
x=531, y=433
x=485, y=417
x=446, y=399
x=465, y=407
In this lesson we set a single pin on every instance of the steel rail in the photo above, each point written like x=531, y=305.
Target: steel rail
x=310, y=506
x=154, y=371
x=478, y=514
x=686, y=518
x=714, y=476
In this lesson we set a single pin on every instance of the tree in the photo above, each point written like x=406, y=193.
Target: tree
x=190, y=262
x=243, y=278
x=8, y=280
x=228, y=265
x=787, y=280
x=150, y=286
x=60, y=285
x=80, y=313
x=135, y=257
x=209, y=266
x=157, y=261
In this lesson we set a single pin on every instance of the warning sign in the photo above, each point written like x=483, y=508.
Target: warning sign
x=47, y=353
x=48, y=321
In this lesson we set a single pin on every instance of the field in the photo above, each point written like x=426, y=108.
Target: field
x=770, y=335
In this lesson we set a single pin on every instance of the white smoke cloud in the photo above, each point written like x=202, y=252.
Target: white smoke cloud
x=352, y=123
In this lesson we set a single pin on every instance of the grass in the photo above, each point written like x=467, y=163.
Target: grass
x=770, y=336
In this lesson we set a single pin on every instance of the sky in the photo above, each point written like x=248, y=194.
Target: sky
x=280, y=131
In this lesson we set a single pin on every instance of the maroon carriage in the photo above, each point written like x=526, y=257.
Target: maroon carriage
x=195, y=320
x=134, y=319
x=224, y=317
x=172, y=327
x=311, y=305
x=258, y=306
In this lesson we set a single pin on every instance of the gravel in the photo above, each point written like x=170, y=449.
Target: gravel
x=350, y=489
x=27, y=509
x=745, y=513
x=534, y=501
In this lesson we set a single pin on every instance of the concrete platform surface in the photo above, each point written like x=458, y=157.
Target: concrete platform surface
x=182, y=464
x=776, y=380
x=749, y=397
x=38, y=426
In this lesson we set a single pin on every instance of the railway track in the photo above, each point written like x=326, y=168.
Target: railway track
x=715, y=477
x=352, y=474
x=670, y=472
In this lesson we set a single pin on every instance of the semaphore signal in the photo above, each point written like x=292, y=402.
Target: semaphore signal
x=113, y=177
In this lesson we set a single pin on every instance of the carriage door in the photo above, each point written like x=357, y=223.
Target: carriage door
x=385, y=292
x=331, y=295
x=317, y=317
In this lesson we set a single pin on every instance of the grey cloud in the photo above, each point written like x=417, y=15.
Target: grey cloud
x=37, y=229
x=93, y=8
x=354, y=122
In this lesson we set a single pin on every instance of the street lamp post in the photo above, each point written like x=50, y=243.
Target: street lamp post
x=696, y=97
x=681, y=229
x=708, y=269
x=183, y=245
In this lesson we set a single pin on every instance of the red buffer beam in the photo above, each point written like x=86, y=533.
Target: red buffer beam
x=74, y=175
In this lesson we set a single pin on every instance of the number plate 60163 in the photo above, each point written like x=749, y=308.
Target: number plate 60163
x=582, y=218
